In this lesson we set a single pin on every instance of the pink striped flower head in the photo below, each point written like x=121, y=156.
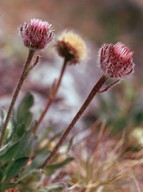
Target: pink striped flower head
x=116, y=60
x=37, y=34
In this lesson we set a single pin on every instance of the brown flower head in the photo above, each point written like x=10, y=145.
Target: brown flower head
x=37, y=34
x=70, y=46
x=116, y=60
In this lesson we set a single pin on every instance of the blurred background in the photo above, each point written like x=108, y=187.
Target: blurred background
x=98, y=22
x=101, y=21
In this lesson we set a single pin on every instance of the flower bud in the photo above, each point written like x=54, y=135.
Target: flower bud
x=70, y=46
x=37, y=34
x=116, y=60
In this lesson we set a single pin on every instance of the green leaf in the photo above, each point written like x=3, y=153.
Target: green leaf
x=37, y=162
x=16, y=167
x=6, y=186
x=24, y=116
x=18, y=149
x=52, y=168
x=4, y=152
x=21, y=126
x=25, y=104
x=1, y=175
x=19, y=129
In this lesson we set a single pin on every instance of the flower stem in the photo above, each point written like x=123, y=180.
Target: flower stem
x=53, y=93
x=93, y=92
x=16, y=93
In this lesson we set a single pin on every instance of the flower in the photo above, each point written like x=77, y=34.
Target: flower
x=37, y=34
x=116, y=60
x=70, y=46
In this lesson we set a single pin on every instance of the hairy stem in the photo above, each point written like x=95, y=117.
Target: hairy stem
x=93, y=92
x=16, y=93
x=53, y=94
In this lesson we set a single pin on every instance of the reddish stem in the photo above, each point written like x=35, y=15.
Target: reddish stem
x=53, y=94
x=16, y=93
x=93, y=92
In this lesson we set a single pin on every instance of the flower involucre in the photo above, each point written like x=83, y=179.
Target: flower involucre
x=116, y=60
x=71, y=47
x=37, y=34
